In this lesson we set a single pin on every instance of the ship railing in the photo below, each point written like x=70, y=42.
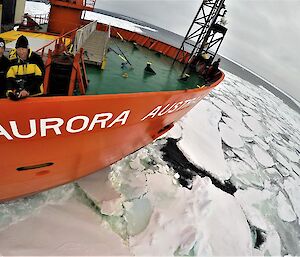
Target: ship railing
x=58, y=44
x=82, y=35
x=90, y=3
x=39, y=19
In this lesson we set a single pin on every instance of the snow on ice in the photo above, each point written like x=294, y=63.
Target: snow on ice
x=230, y=137
x=137, y=206
x=34, y=8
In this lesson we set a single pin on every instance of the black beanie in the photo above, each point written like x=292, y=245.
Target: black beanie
x=22, y=42
x=2, y=42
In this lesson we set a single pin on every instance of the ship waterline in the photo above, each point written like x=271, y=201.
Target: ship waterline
x=68, y=152
x=107, y=93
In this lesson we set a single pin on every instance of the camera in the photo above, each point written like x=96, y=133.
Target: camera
x=20, y=85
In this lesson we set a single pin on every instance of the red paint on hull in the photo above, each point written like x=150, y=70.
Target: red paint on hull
x=79, y=154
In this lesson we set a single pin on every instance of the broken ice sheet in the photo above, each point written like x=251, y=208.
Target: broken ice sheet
x=261, y=143
x=112, y=207
x=238, y=127
x=246, y=156
x=292, y=188
x=131, y=187
x=191, y=224
x=254, y=125
x=197, y=146
x=229, y=136
x=253, y=202
x=287, y=152
x=244, y=101
x=262, y=156
x=251, y=113
x=137, y=215
x=176, y=131
x=230, y=110
x=295, y=168
x=284, y=209
x=274, y=175
x=243, y=175
x=282, y=170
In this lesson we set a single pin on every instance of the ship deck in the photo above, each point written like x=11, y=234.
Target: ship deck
x=115, y=79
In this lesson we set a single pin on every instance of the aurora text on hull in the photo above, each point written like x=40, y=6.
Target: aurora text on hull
x=100, y=103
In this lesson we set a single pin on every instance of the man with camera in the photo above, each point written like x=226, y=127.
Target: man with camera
x=26, y=73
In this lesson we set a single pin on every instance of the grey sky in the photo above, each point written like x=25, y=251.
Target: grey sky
x=263, y=35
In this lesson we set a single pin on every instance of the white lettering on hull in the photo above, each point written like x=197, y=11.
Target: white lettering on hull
x=16, y=133
x=3, y=132
x=58, y=125
x=77, y=124
x=162, y=110
x=58, y=122
x=70, y=122
x=122, y=118
x=101, y=119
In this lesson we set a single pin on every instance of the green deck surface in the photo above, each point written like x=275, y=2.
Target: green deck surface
x=111, y=81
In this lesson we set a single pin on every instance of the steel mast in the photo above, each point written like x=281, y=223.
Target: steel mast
x=204, y=33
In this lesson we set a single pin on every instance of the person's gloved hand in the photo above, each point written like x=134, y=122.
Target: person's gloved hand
x=15, y=96
x=23, y=94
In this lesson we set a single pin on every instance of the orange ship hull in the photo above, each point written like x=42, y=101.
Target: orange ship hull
x=50, y=141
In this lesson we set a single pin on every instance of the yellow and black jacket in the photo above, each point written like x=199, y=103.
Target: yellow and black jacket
x=28, y=74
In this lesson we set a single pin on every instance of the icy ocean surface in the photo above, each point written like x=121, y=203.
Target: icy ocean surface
x=240, y=134
x=237, y=154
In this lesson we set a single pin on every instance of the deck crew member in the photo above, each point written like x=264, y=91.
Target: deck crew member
x=4, y=65
x=26, y=72
x=213, y=72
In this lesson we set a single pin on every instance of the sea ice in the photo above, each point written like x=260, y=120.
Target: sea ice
x=283, y=171
x=246, y=157
x=229, y=136
x=201, y=139
x=295, y=168
x=290, y=154
x=70, y=229
x=112, y=207
x=137, y=215
x=285, y=211
x=195, y=225
x=230, y=153
x=176, y=131
x=254, y=125
x=116, y=22
x=35, y=8
x=242, y=174
x=262, y=156
x=274, y=175
x=253, y=114
x=292, y=188
x=230, y=110
x=238, y=127
x=249, y=200
x=156, y=216
x=20, y=209
x=245, y=102
x=261, y=143
x=253, y=203
x=99, y=193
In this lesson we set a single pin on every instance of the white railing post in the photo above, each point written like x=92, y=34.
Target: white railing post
x=83, y=34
